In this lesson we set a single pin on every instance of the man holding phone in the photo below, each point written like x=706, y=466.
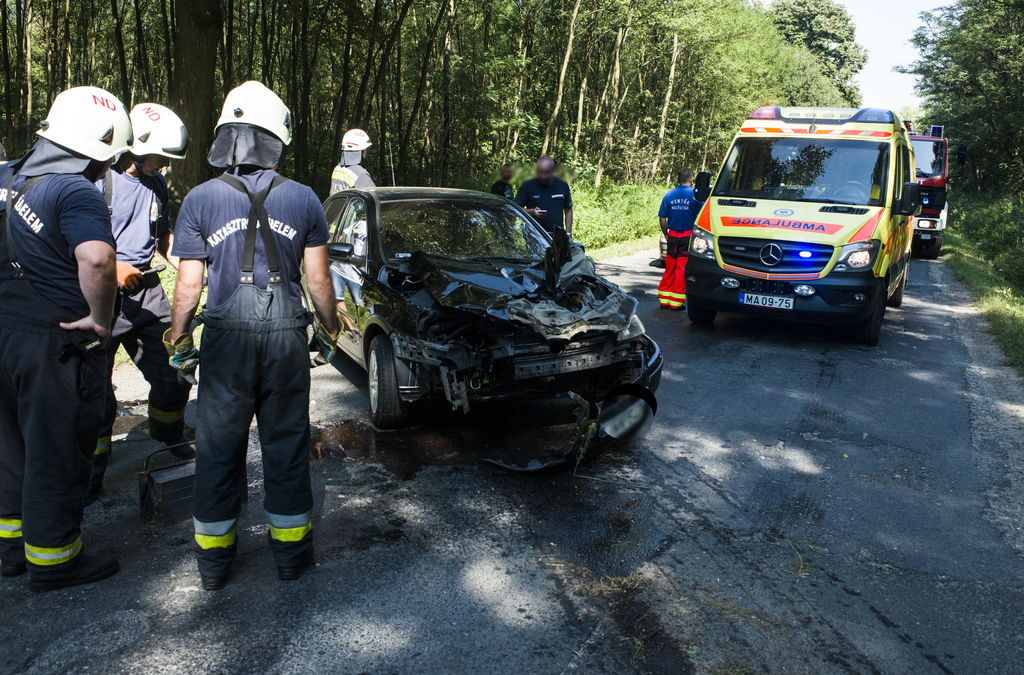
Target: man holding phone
x=547, y=198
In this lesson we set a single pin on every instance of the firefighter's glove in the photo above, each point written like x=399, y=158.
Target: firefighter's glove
x=326, y=346
x=184, y=357
x=128, y=276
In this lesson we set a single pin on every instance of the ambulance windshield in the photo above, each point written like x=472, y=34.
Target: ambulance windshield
x=930, y=158
x=829, y=171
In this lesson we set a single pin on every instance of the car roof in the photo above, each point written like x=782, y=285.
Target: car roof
x=401, y=193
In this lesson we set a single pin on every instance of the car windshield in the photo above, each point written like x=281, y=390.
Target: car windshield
x=831, y=171
x=930, y=158
x=458, y=230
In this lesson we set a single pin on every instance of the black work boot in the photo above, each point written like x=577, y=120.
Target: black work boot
x=13, y=568
x=214, y=583
x=92, y=568
x=180, y=447
x=292, y=572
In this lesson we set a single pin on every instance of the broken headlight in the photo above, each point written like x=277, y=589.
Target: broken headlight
x=631, y=332
x=702, y=244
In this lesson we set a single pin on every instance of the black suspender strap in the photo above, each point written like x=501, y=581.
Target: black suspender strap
x=108, y=192
x=257, y=215
x=5, y=221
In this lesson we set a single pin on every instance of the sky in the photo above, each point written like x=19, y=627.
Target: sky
x=887, y=44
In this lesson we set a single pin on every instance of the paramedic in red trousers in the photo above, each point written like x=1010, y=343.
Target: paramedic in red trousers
x=137, y=198
x=252, y=230
x=677, y=214
x=57, y=290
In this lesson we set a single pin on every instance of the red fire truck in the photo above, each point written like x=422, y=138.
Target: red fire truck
x=931, y=153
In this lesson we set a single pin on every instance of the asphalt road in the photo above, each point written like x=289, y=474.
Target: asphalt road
x=803, y=505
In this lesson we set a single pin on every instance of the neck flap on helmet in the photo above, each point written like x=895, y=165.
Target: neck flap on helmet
x=351, y=157
x=244, y=144
x=47, y=157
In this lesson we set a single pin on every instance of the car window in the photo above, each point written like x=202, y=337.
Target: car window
x=459, y=229
x=352, y=227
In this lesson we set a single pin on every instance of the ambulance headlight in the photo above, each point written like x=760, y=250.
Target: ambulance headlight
x=634, y=330
x=702, y=244
x=858, y=256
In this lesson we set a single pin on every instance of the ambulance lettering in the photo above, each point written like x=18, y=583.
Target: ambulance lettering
x=781, y=224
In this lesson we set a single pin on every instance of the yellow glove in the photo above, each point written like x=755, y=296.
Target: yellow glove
x=183, y=356
x=326, y=344
x=128, y=276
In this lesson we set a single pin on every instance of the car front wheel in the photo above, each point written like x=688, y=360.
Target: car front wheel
x=387, y=409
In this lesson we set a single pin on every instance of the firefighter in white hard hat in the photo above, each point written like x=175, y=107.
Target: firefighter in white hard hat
x=253, y=230
x=350, y=173
x=57, y=291
x=136, y=194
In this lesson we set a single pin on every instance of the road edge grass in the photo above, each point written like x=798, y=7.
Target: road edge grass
x=624, y=248
x=997, y=299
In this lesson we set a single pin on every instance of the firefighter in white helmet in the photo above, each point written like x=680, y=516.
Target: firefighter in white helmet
x=57, y=290
x=350, y=173
x=137, y=197
x=253, y=231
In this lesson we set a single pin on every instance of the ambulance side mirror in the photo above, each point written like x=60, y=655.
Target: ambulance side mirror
x=910, y=202
x=702, y=186
x=339, y=252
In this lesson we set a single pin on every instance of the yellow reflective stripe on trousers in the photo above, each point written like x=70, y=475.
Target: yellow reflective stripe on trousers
x=10, y=528
x=38, y=555
x=215, y=535
x=164, y=416
x=290, y=528
x=102, y=445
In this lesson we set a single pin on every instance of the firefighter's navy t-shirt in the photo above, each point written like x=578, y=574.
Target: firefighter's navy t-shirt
x=554, y=199
x=212, y=223
x=57, y=215
x=680, y=208
x=139, y=214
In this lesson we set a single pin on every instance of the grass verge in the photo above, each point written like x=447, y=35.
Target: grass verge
x=626, y=248
x=999, y=300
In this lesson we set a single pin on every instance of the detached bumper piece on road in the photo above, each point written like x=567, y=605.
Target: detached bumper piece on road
x=835, y=301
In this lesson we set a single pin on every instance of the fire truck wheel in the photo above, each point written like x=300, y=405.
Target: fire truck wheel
x=931, y=252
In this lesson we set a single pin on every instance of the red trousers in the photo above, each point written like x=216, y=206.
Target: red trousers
x=672, y=289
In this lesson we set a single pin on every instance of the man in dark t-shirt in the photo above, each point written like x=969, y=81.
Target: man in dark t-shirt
x=547, y=198
x=503, y=186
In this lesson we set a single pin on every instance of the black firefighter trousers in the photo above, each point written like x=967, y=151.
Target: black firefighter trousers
x=145, y=315
x=51, y=408
x=249, y=368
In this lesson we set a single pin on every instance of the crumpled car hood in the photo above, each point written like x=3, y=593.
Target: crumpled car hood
x=518, y=291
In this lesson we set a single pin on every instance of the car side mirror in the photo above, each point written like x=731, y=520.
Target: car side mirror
x=339, y=252
x=702, y=186
x=910, y=202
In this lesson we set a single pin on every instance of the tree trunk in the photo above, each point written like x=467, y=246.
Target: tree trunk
x=195, y=57
x=341, y=116
x=141, y=54
x=227, y=69
x=168, y=63
x=28, y=73
x=561, y=80
x=579, y=123
x=6, y=59
x=126, y=92
x=403, y=153
x=396, y=34
x=664, y=108
x=446, y=110
x=620, y=39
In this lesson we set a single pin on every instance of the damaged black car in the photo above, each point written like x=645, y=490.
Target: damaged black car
x=460, y=294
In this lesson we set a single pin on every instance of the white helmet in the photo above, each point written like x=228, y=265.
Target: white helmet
x=252, y=103
x=89, y=121
x=158, y=131
x=355, y=139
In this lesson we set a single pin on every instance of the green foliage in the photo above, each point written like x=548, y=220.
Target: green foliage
x=971, y=75
x=995, y=228
x=824, y=27
x=615, y=213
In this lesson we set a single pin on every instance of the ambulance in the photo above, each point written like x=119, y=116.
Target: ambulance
x=810, y=219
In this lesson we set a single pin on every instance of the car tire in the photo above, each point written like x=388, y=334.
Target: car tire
x=700, y=315
x=387, y=409
x=867, y=333
x=934, y=248
x=896, y=299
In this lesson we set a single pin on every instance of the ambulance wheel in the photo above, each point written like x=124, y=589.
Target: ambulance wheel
x=387, y=409
x=931, y=252
x=699, y=315
x=867, y=333
x=897, y=298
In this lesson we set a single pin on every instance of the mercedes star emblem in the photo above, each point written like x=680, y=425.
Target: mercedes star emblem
x=771, y=255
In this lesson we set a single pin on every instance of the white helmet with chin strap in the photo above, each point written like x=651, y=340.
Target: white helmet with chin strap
x=355, y=140
x=158, y=131
x=255, y=104
x=89, y=121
